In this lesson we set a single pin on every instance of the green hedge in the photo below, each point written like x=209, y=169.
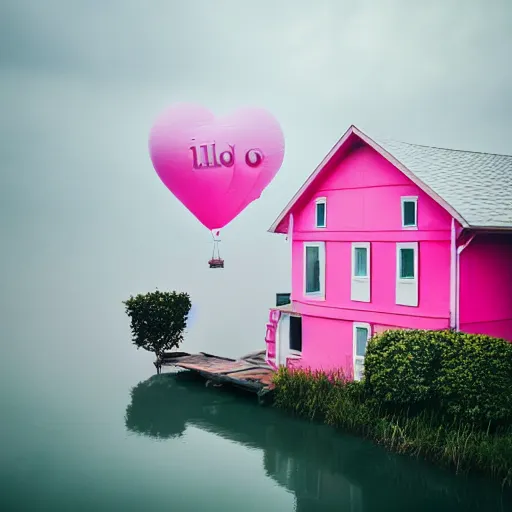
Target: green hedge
x=466, y=376
x=475, y=377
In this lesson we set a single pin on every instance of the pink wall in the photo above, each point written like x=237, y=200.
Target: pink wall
x=432, y=312
x=486, y=286
x=361, y=192
x=363, y=204
x=326, y=344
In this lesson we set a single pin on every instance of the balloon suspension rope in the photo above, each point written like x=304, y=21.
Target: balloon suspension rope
x=215, y=246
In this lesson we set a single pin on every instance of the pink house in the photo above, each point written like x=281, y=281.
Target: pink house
x=386, y=234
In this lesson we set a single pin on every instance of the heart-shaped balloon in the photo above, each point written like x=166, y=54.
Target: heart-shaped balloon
x=216, y=166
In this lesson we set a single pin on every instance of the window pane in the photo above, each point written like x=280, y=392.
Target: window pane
x=312, y=269
x=409, y=213
x=361, y=267
x=358, y=369
x=361, y=340
x=320, y=214
x=406, y=263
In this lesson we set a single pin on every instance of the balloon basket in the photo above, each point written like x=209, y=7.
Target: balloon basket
x=216, y=263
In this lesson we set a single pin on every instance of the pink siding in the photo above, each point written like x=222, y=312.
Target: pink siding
x=363, y=204
x=326, y=344
x=433, y=310
x=486, y=286
x=363, y=193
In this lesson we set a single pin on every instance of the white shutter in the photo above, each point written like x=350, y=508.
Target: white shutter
x=360, y=284
x=407, y=282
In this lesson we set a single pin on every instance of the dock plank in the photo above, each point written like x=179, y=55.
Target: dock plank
x=250, y=372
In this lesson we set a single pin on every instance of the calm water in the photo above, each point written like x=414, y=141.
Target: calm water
x=172, y=444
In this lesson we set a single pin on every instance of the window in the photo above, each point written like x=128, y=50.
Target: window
x=314, y=269
x=320, y=212
x=361, y=262
x=361, y=337
x=296, y=333
x=407, y=274
x=406, y=263
x=360, y=288
x=409, y=212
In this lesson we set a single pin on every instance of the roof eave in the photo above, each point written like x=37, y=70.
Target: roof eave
x=492, y=229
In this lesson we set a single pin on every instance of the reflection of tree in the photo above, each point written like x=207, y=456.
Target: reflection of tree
x=324, y=469
x=153, y=410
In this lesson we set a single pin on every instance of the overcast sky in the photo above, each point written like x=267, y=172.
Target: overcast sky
x=85, y=221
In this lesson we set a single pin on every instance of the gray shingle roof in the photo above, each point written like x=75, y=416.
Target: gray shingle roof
x=477, y=185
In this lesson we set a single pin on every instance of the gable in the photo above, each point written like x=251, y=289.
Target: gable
x=474, y=188
x=363, y=192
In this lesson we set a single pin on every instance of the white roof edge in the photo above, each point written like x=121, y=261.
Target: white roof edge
x=385, y=154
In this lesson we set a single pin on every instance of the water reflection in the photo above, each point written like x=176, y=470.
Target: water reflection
x=325, y=470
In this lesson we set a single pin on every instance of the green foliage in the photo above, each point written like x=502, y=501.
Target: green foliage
x=158, y=319
x=466, y=376
x=307, y=393
x=475, y=378
x=331, y=398
x=347, y=405
x=400, y=366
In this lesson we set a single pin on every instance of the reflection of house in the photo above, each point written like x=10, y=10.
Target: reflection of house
x=393, y=235
x=323, y=469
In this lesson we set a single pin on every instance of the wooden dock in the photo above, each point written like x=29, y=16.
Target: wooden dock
x=249, y=372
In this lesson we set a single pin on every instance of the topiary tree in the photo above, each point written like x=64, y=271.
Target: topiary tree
x=158, y=320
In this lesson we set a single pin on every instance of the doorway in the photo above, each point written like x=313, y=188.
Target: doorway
x=295, y=334
x=289, y=338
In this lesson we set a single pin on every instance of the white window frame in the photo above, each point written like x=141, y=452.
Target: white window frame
x=321, y=200
x=409, y=199
x=361, y=286
x=320, y=295
x=355, y=358
x=407, y=288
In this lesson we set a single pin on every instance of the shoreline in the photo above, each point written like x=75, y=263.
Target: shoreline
x=461, y=447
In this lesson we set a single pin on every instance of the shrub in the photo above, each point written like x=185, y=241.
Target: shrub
x=475, y=378
x=158, y=320
x=401, y=365
x=467, y=376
